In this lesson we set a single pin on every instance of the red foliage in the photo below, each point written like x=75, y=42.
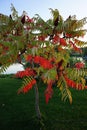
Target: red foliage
x=68, y=35
x=55, y=39
x=45, y=63
x=73, y=84
x=41, y=38
x=26, y=72
x=49, y=91
x=85, y=87
x=37, y=59
x=63, y=42
x=27, y=87
x=77, y=49
x=79, y=65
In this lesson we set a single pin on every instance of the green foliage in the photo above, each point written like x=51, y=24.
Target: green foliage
x=65, y=92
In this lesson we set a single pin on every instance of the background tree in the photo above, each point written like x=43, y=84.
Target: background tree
x=45, y=47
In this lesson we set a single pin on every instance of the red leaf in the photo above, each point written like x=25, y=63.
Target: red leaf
x=79, y=65
x=55, y=39
x=27, y=87
x=68, y=35
x=77, y=49
x=47, y=97
x=73, y=84
x=37, y=59
x=85, y=87
x=24, y=73
x=63, y=42
x=49, y=91
x=41, y=38
x=46, y=64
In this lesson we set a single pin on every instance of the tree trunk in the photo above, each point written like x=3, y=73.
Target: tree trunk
x=38, y=113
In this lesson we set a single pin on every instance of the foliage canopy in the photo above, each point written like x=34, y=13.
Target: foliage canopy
x=45, y=46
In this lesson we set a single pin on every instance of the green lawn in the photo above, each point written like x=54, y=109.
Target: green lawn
x=17, y=111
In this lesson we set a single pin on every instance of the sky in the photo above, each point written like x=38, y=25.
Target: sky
x=41, y=7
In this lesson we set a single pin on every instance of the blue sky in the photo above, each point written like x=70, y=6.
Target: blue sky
x=41, y=7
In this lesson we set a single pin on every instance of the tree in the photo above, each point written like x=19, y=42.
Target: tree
x=45, y=47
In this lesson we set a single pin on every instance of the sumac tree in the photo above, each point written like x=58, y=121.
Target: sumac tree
x=45, y=47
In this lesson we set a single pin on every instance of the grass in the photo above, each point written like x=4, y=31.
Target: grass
x=17, y=111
